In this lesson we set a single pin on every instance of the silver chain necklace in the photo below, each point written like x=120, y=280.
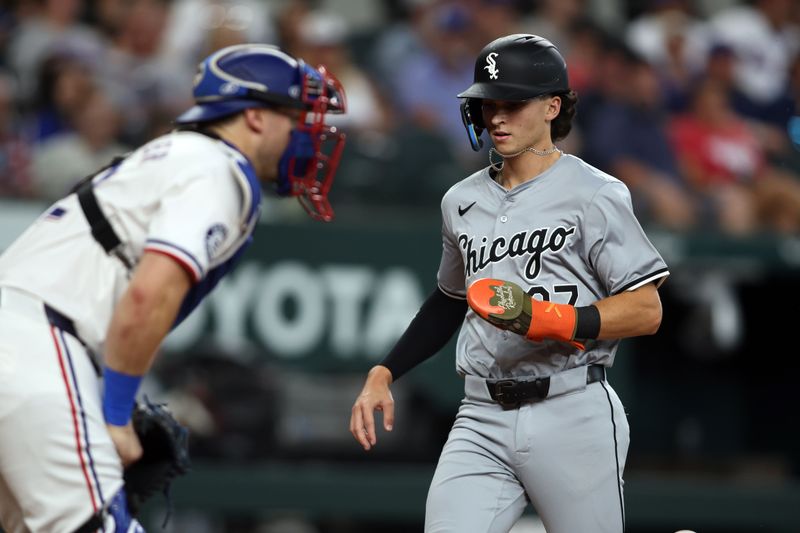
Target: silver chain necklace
x=499, y=166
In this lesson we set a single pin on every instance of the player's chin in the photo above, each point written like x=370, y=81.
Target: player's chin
x=506, y=146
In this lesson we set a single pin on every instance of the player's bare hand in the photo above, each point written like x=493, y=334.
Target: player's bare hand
x=126, y=442
x=375, y=396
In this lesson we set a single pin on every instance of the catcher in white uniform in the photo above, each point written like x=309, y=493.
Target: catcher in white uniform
x=93, y=286
x=544, y=268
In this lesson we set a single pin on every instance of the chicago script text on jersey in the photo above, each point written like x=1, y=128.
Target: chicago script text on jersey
x=533, y=243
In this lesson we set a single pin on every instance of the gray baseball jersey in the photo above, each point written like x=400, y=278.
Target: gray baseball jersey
x=568, y=236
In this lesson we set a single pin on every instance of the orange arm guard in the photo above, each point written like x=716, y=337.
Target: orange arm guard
x=507, y=306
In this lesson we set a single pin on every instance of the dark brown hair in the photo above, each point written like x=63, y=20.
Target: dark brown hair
x=562, y=124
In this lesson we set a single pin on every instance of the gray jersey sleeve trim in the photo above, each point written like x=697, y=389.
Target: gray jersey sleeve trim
x=659, y=275
x=450, y=294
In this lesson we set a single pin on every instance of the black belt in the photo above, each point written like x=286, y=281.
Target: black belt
x=511, y=392
x=64, y=323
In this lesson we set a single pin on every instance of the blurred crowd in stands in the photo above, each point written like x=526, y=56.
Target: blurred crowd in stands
x=690, y=103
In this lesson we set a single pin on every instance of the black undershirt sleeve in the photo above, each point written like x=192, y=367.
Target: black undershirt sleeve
x=435, y=323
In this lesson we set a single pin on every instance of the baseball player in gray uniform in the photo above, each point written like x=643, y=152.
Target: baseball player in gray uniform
x=91, y=288
x=545, y=268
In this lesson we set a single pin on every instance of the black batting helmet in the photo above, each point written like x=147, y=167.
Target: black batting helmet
x=515, y=67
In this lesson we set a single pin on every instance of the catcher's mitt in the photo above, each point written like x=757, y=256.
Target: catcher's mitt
x=165, y=453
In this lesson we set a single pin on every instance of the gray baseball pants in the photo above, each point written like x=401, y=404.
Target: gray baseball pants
x=565, y=454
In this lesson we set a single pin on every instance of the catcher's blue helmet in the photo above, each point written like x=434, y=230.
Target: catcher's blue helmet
x=254, y=75
x=257, y=75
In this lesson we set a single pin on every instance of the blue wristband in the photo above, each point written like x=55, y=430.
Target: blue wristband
x=119, y=395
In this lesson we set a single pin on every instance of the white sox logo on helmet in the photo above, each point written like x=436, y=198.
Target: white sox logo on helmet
x=491, y=66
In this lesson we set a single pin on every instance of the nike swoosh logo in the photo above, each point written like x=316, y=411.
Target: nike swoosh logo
x=461, y=211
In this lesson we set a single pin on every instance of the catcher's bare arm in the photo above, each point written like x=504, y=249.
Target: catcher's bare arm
x=140, y=322
x=145, y=313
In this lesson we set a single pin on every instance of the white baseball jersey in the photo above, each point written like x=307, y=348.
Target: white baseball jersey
x=568, y=236
x=185, y=195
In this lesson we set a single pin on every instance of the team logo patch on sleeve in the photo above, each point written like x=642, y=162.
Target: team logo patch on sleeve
x=215, y=237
